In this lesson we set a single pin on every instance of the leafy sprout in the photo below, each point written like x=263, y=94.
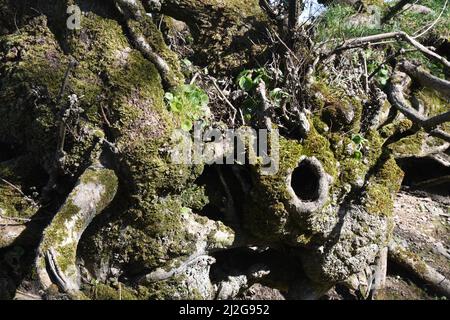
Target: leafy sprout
x=190, y=103
x=249, y=79
x=359, y=140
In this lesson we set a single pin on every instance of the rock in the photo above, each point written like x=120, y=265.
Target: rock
x=417, y=8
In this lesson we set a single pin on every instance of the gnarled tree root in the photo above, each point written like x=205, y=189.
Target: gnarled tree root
x=56, y=260
x=416, y=266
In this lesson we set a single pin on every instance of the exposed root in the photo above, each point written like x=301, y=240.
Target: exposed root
x=9, y=231
x=211, y=236
x=419, y=268
x=424, y=78
x=233, y=285
x=380, y=272
x=56, y=260
x=397, y=99
x=136, y=20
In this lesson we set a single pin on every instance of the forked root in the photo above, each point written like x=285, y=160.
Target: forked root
x=56, y=259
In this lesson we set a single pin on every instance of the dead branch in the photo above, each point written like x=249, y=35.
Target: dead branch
x=358, y=42
x=27, y=198
x=394, y=10
x=264, y=119
x=61, y=138
x=380, y=272
x=222, y=95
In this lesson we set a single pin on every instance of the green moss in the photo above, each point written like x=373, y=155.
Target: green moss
x=396, y=127
x=19, y=174
x=434, y=104
x=337, y=109
x=102, y=291
x=154, y=37
x=382, y=188
x=409, y=146
x=194, y=197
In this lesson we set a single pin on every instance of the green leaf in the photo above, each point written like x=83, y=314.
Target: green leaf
x=357, y=139
x=278, y=94
x=357, y=155
x=246, y=83
x=187, y=62
x=176, y=105
x=186, y=125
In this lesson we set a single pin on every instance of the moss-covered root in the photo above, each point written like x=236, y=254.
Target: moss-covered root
x=419, y=268
x=190, y=274
x=149, y=41
x=56, y=259
x=209, y=236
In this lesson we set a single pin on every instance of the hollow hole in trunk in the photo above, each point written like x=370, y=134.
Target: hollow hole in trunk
x=305, y=182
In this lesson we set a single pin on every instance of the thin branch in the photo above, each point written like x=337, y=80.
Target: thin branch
x=434, y=22
x=216, y=86
x=358, y=42
x=18, y=190
x=265, y=106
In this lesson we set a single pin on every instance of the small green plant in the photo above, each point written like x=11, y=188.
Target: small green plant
x=249, y=79
x=359, y=141
x=190, y=103
x=382, y=76
x=277, y=95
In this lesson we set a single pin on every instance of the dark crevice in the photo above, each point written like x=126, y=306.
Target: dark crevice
x=420, y=170
x=284, y=268
x=305, y=182
x=217, y=195
x=8, y=151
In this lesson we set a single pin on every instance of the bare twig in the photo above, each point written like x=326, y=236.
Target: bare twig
x=434, y=22
x=216, y=86
x=265, y=106
x=358, y=42
x=18, y=190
